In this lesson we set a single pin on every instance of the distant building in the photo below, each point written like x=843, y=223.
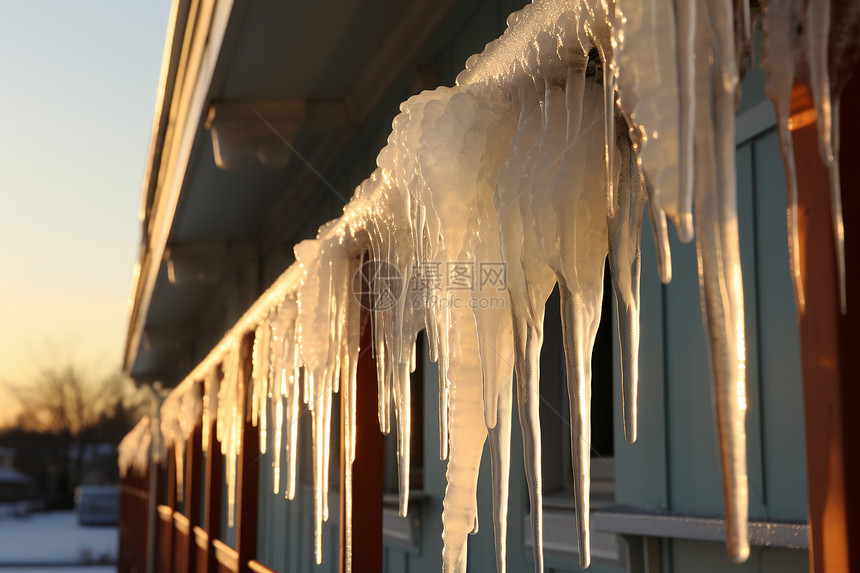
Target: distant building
x=14, y=485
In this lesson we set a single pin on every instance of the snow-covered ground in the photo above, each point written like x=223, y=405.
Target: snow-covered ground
x=61, y=569
x=55, y=541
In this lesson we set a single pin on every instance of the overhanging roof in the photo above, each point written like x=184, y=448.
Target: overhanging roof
x=203, y=225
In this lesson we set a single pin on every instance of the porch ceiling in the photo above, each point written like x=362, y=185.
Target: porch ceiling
x=317, y=57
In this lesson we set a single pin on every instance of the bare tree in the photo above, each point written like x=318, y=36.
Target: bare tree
x=73, y=411
x=58, y=401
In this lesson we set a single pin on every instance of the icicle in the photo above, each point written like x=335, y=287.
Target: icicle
x=179, y=455
x=138, y=447
x=607, y=67
x=403, y=399
x=210, y=404
x=292, y=420
x=660, y=232
x=351, y=349
x=529, y=282
x=781, y=29
x=686, y=27
x=316, y=422
x=326, y=447
x=467, y=436
x=279, y=432
x=347, y=536
x=444, y=410
x=720, y=280
x=543, y=165
x=500, y=462
x=493, y=320
x=818, y=19
x=178, y=418
x=283, y=331
x=351, y=343
x=383, y=381
x=230, y=420
x=261, y=359
x=743, y=37
x=578, y=202
x=256, y=373
x=625, y=234
x=648, y=85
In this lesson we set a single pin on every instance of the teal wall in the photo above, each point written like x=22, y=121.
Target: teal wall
x=674, y=466
x=285, y=539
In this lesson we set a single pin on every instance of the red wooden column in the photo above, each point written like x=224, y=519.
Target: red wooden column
x=133, y=527
x=212, y=505
x=167, y=473
x=830, y=341
x=367, y=472
x=248, y=466
x=186, y=558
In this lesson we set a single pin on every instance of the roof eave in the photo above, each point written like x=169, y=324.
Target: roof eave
x=192, y=46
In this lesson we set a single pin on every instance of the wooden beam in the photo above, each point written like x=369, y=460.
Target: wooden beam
x=228, y=558
x=829, y=339
x=133, y=530
x=193, y=450
x=366, y=471
x=248, y=465
x=213, y=491
x=164, y=562
x=258, y=567
x=201, y=542
x=849, y=324
x=194, y=476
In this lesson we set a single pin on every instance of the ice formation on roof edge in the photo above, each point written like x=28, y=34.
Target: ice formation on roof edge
x=542, y=156
x=142, y=445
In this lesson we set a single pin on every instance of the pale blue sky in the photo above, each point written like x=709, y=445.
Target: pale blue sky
x=78, y=84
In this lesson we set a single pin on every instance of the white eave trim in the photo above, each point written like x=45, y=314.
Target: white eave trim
x=187, y=106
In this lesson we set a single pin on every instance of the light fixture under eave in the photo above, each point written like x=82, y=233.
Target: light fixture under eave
x=244, y=134
x=205, y=261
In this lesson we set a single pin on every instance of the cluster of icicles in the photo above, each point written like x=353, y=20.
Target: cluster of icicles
x=142, y=445
x=545, y=156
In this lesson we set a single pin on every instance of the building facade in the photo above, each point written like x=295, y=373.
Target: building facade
x=269, y=114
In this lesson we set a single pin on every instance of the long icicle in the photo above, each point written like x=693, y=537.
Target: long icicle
x=721, y=284
x=625, y=259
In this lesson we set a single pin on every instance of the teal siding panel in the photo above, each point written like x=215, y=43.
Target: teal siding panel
x=694, y=475
x=427, y=554
x=296, y=538
x=396, y=561
x=747, y=234
x=783, y=561
x=693, y=455
x=481, y=556
x=556, y=564
x=285, y=539
x=264, y=514
x=710, y=557
x=641, y=468
x=784, y=456
x=752, y=88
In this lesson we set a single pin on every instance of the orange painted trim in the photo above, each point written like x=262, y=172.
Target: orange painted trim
x=828, y=341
